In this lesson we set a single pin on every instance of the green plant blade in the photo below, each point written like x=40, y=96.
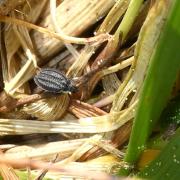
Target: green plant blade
x=171, y=114
x=169, y=120
x=167, y=164
x=161, y=75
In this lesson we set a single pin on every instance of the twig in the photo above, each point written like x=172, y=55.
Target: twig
x=62, y=37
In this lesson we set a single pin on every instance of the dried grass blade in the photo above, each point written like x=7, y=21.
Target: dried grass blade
x=46, y=151
x=147, y=39
x=78, y=66
x=69, y=46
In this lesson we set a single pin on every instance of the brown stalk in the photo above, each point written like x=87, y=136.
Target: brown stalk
x=100, y=62
x=8, y=103
x=81, y=109
x=120, y=137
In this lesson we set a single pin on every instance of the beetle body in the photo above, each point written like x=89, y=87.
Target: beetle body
x=52, y=80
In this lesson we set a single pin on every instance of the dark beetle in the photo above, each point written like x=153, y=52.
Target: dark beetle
x=52, y=80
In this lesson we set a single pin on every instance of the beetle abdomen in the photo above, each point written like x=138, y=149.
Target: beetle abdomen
x=52, y=80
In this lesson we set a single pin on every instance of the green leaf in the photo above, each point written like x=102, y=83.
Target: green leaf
x=171, y=114
x=161, y=75
x=167, y=165
x=169, y=120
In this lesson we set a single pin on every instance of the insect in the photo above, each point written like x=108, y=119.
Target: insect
x=52, y=80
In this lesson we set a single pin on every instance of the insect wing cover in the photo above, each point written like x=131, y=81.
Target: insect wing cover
x=52, y=80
